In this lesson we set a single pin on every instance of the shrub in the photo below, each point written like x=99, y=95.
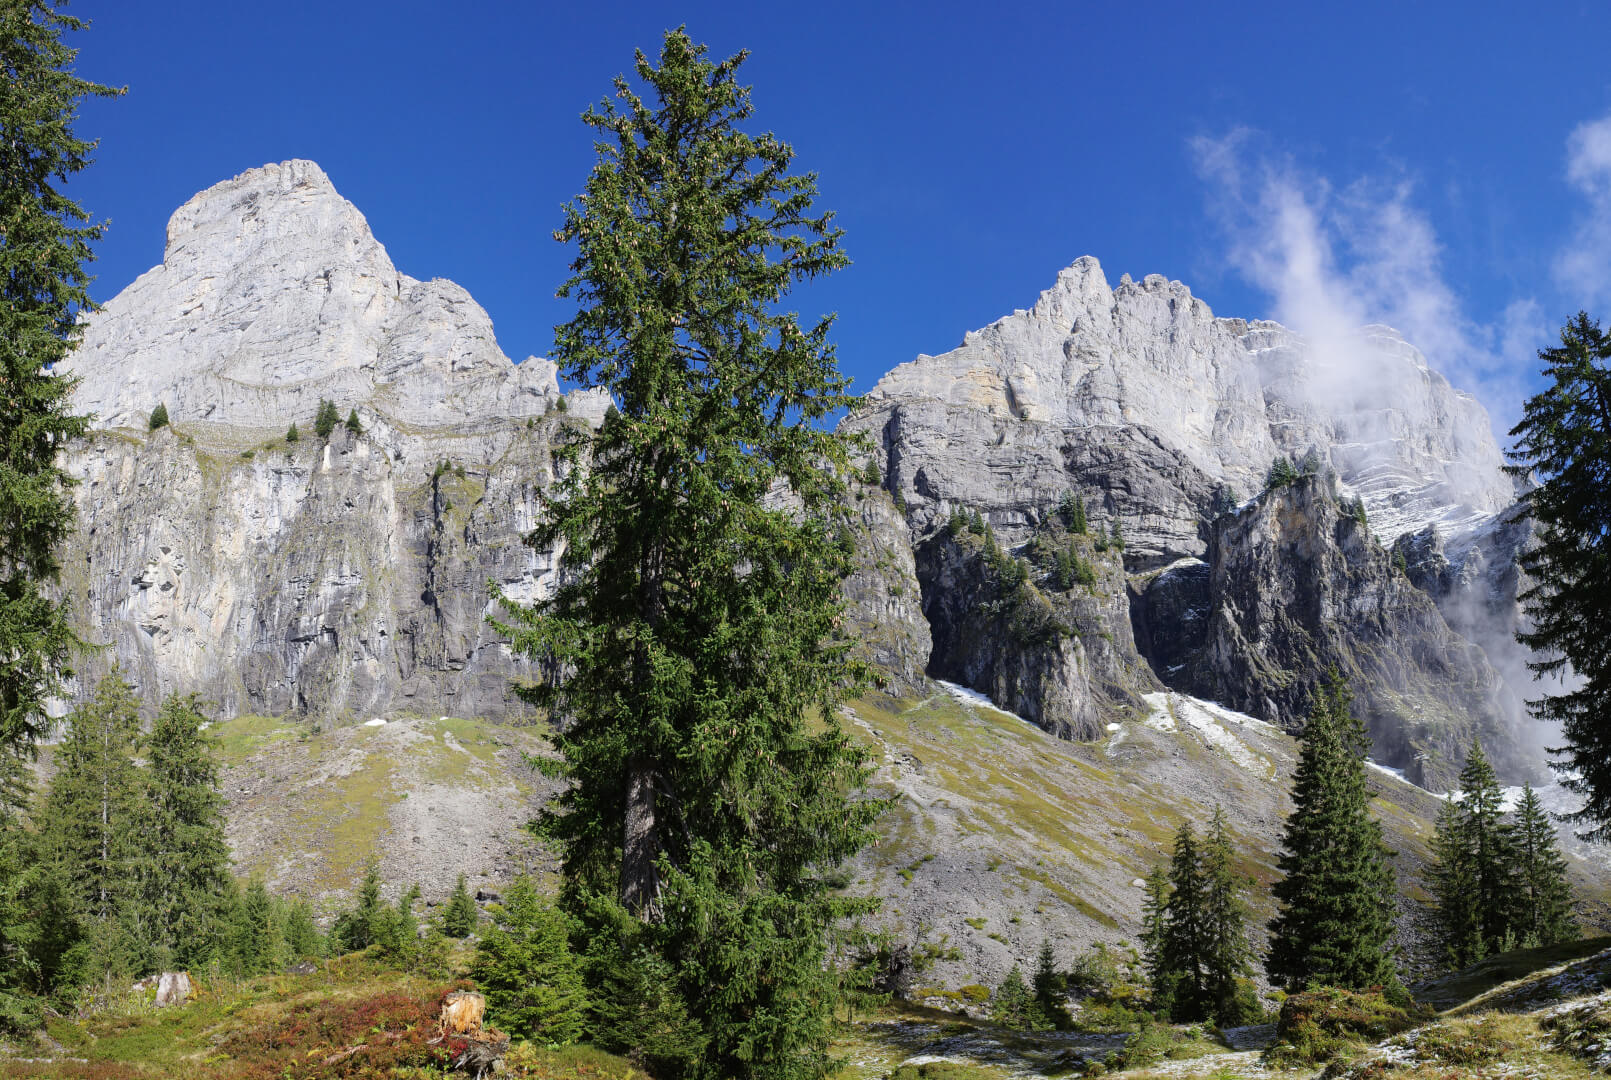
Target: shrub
x=524, y=965
x=460, y=916
x=327, y=419
x=352, y=423
x=870, y=475
x=159, y=416
x=291, y=433
x=1315, y=1025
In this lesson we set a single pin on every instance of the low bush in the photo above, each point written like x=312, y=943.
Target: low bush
x=1317, y=1025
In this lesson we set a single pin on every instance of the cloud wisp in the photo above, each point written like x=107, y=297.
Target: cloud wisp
x=1334, y=258
x=1583, y=268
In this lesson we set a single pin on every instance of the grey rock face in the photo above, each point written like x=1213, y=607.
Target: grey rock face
x=272, y=294
x=884, y=601
x=1294, y=587
x=307, y=578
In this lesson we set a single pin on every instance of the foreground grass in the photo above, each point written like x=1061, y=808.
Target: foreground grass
x=351, y=1019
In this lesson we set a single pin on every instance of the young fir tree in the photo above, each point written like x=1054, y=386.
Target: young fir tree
x=1156, y=900
x=524, y=965
x=1454, y=890
x=1490, y=848
x=700, y=622
x=637, y=1012
x=45, y=242
x=1183, y=949
x=365, y=923
x=159, y=417
x=91, y=816
x=459, y=916
x=1227, y=956
x=1010, y=1004
x=353, y=423
x=1336, y=893
x=325, y=421
x=301, y=933
x=185, y=858
x=1544, y=899
x=1563, y=445
x=291, y=434
x=1047, y=986
x=253, y=935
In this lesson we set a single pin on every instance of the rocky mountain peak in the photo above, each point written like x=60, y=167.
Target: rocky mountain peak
x=274, y=293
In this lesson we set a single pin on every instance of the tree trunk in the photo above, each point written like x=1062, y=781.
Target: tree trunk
x=640, y=880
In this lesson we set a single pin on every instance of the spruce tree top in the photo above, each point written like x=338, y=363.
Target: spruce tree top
x=45, y=242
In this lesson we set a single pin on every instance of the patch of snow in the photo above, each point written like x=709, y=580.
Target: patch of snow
x=1397, y=774
x=1115, y=727
x=376, y=722
x=204, y=725
x=1212, y=723
x=973, y=697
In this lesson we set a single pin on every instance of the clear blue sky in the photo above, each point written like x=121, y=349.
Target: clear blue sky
x=971, y=150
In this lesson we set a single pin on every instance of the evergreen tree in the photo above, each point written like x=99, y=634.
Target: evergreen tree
x=185, y=858
x=976, y=523
x=870, y=475
x=301, y=933
x=159, y=417
x=352, y=423
x=699, y=624
x=327, y=418
x=460, y=916
x=365, y=923
x=1072, y=511
x=524, y=965
x=1563, y=444
x=1152, y=939
x=1009, y=1006
x=1336, y=894
x=1184, y=946
x=1225, y=501
x=1454, y=890
x=1544, y=899
x=291, y=433
x=45, y=240
x=91, y=815
x=1491, y=849
x=1048, y=986
x=638, y=1011
x=1282, y=473
x=254, y=935
x=1227, y=956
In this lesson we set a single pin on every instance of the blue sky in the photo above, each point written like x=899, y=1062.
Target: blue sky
x=1444, y=167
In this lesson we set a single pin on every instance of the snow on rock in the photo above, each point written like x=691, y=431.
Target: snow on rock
x=1212, y=723
x=973, y=697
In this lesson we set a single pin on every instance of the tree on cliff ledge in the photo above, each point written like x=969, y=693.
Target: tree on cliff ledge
x=698, y=623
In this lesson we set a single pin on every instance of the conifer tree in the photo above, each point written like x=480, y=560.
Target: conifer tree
x=1335, y=923
x=291, y=434
x=638, y=1011
x=1152, y=938
x=1009, y=1006
x=301, y=933
x=524, y=965
x=698, y=623
x=1491, y=849
x=459, y=917
x=325, y=421
x=185, y=858
x=353, y=424
x=45, y=240
x=1184, y=939
x=1454, y=890
x=1227, y=956
x=254, y=935
x=1047, y=987
x=159, y=417
x=365, y=923
x=1544, y=899
x=91, y=816
x=1563, y=446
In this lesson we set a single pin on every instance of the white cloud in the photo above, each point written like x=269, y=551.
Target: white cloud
x=1583, y=269
x=1334, y=258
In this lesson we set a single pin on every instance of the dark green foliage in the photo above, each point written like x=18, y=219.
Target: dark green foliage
x=43, y=287
x=562, y=405
x=1544, y=899
x=90, y=815
x=1335, y=925
x=253, y=936
x=1399, y=562
x=1180, y=990
x=291, y=434
x=1152, y=935
x=159, y=417
x=1356, y=510
x=301, y=934
x=1227, y=956
x=870, y=475
x=524, y=965
x=699, y=626
x=638, y=1011
x=1454, y=891
x=184, y=858
x=1489, y=848
x=352, y=423
x=976, y=524
x=1117, y=538
x=1010, y=1004
x=327, y=419
x=460, y=916
x=1072, y=511
x=958, y=523
x=1563, y=443
x=1282, y=473
x=365, y=923
x=1048, y=1007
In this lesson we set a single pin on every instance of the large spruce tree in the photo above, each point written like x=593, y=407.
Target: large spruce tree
x=45, y=242
x=1563, y=444
x=1454, y=890
x=698, y=625
x=1336, y=894
x=184, y=856
x=1181, y=990
x=1543, y=910
x=1490, y=848
x=1227, y=956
